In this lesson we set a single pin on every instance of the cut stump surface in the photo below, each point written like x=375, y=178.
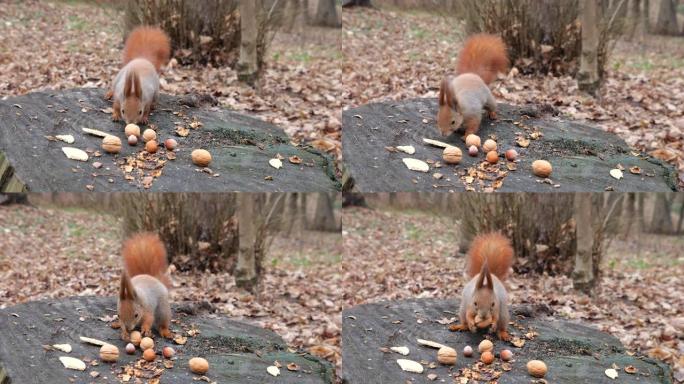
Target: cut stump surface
x=237, y=352
x=241, y=147
x=573, y=353
x=582, y=156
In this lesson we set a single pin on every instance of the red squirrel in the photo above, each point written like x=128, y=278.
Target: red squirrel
x=136, y=87
x=145, y=283
x=463, y=98
x=484, y=303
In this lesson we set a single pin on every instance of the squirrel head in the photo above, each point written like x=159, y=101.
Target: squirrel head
x=132, y=107
x=449, y=117
x=129, y=307
x=484, y=301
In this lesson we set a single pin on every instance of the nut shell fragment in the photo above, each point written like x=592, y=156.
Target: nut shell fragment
x=410, y=365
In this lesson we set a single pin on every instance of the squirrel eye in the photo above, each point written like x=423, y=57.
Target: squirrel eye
x=137, y=315
x=123, y=111
x=492, y=305
x=140, y=112
x=475, y=303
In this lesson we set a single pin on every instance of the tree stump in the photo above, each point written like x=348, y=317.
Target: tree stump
x=241, y=147
x=237, y=352
x=573, y=353
x=582, y=156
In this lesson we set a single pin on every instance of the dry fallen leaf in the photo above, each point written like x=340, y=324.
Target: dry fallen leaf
x=612, y=373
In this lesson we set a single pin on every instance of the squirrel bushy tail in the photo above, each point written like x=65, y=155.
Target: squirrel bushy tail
x=484, y=55
x=149, y=43
x=144, y=254
x=494, y=249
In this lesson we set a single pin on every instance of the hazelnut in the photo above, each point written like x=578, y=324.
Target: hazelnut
x=472, y=151
x=149, y=134
x=541, y=168
x=511, y=155
x=492, y=157
x=473, y=140
x=168, y=352
x=132, y=140
x=487, y=357
x=452, y=155
x=468, y=351
x=111, y=144
x=201, y=157
x=130, y=348
x=135, y=338
x=146, y=343
x=198, y=365
x=109, y=353
x=506, y=355
x=489, y=145
x=132, y=130
x=447, y=356
x=151, y=146
x=170, y=144
x=149, y=355
x=485, y=346
x=536, y=368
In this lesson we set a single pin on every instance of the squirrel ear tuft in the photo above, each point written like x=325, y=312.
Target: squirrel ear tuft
x=126, y=291
x=128, y=84
x=137, y=89
x=484, y=273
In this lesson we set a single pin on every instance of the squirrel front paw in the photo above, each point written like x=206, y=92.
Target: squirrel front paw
x=124, y=334
x=503, y=335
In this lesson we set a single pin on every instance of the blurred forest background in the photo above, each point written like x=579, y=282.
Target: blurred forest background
x=282, y=64
x=614, y=261
x=269, y=259
x=617, y=64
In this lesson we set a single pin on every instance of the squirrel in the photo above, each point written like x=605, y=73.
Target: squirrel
x=467, y=95
x=136, y=87
x=145, y=283
x=484, y=302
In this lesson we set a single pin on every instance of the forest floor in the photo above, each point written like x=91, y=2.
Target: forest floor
x=393, y=255
x=53, y=253
x=396, y=55
x=68, y=44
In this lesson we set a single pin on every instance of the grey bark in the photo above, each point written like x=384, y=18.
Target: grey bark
x=666, y=23
x=326, y=14
x=588, y=75
x=248, y=66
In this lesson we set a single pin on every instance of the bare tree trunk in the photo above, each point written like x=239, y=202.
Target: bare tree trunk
x=249, y=212
x=583, y=278
x=324, y=217
x=588, y=75
x=356, y=3
x=661, y=221
x=353, y=199
x=667, y=18
x=13, y=198
x=248, y=65
x=680, y=221
x=326, y=14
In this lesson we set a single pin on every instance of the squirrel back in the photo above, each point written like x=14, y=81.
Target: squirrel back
x=149, y=43
x=484, y=55
x=144, y=254
x=493, y=248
